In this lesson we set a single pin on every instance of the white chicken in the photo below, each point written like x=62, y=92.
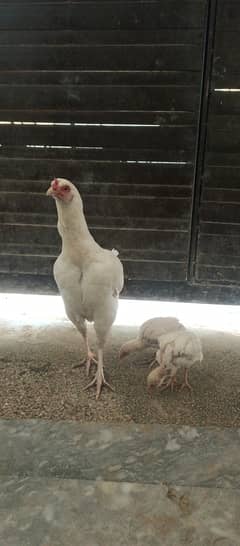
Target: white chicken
x=149, y=334
x=179, y=349
x=89, y=277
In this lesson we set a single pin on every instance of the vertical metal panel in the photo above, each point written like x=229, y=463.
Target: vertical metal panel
x=217, y=259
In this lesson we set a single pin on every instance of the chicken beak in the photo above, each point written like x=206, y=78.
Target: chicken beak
x=50, y=191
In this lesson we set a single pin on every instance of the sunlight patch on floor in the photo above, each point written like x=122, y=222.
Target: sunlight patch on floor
x=22, y=309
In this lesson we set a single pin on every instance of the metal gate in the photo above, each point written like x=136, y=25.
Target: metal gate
x=216, y=259
x=118, y=96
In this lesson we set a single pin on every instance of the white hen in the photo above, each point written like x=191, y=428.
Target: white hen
x=180, y=349
x=149, y=334
x=88, y=276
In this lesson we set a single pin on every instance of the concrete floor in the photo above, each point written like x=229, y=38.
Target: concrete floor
x=133, y=485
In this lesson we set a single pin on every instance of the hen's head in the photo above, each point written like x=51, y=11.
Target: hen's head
x=62, y=190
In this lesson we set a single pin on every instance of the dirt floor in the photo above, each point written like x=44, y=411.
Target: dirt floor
x=38, y=379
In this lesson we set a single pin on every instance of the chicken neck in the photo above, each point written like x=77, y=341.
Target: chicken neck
x=72, y=225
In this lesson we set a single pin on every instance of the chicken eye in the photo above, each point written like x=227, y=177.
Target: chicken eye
x=66, y=188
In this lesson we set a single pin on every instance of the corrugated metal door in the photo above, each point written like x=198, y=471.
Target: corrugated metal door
x=107, y=94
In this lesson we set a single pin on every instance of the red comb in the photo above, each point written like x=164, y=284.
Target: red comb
x=55, y=183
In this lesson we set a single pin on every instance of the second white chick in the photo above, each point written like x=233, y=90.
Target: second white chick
x=178, y=349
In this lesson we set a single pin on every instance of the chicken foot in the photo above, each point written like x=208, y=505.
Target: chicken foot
x=172, y=382
x=91, y=359
x=99, y=378
x=170, y=379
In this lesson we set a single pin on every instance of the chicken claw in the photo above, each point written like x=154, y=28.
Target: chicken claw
x=99, y=378
x=171, y=382
x=91, y=359
x=100, y=381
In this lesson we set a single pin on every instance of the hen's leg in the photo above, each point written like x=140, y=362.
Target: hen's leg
x=91, y=358
x=99, y=379
x=186, y=382
x=103, y=320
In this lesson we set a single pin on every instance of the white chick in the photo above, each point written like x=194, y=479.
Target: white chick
x=179, y=349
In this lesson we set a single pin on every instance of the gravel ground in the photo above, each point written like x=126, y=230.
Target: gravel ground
x=38, y=380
